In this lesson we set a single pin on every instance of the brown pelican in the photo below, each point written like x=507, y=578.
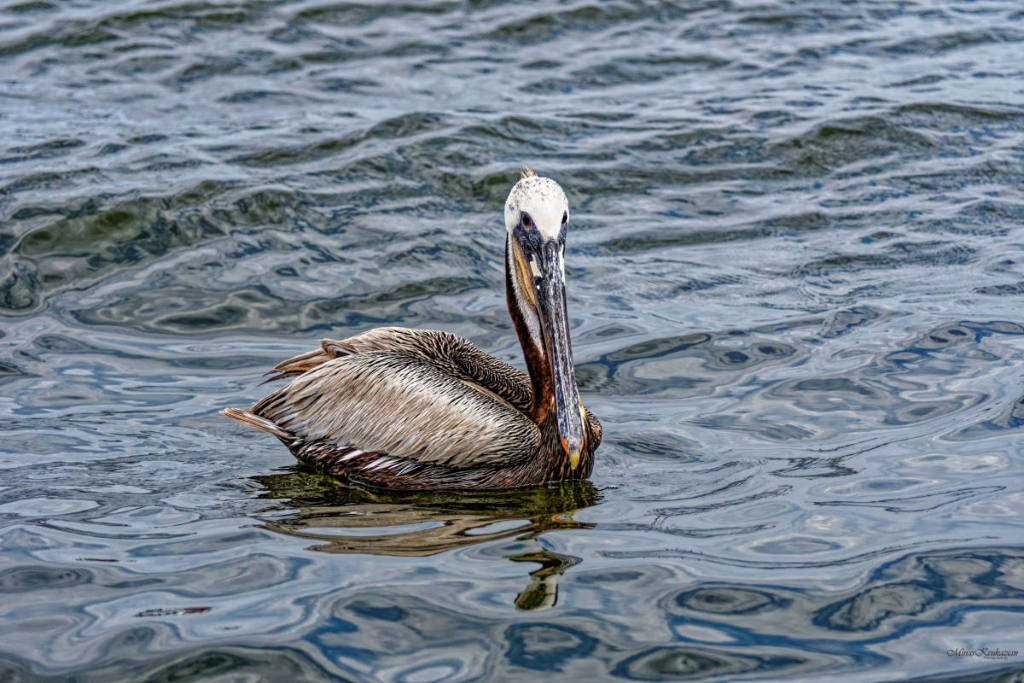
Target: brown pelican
x=421, y=409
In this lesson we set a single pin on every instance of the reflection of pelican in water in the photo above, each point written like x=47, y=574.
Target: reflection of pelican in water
x=543, y=589
x=350, y=519
x=420, y=409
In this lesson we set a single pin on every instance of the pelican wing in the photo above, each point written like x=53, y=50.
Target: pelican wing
x=401, y=405
x=442, y=348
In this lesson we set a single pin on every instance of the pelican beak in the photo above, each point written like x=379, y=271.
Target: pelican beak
x=547, y=267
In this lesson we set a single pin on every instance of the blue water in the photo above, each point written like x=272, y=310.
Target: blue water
x=796, y=281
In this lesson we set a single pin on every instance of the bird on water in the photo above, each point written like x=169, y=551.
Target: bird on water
x=421, y=409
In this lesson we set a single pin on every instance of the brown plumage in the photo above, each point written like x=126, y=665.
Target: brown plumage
x=422, y=409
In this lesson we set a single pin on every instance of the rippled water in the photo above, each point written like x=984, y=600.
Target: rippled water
x=796, y=280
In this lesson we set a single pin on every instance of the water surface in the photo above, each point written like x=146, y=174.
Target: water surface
x=795, y=280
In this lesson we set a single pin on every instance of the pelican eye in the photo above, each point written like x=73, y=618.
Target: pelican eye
x=526, y=220
x=565, y=217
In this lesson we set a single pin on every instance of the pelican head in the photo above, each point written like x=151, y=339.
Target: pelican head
x=536, y=217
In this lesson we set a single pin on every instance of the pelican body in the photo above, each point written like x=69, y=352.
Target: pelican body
x=422, y=409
